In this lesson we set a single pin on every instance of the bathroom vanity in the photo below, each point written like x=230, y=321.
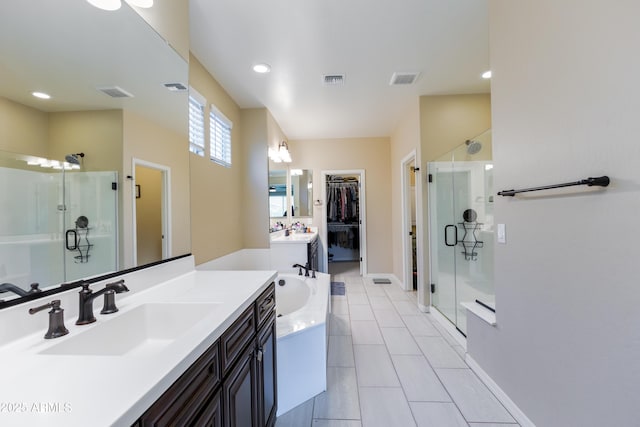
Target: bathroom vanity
x=196, y=348
x=295, y=248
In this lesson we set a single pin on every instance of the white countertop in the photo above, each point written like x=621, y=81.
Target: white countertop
x=80, y=390
x=295, y=238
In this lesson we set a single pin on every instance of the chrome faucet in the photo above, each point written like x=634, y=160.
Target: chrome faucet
x=6, y=287
x=85, y=311
x=300, y=267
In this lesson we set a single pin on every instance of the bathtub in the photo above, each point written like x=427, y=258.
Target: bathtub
x=302, y=307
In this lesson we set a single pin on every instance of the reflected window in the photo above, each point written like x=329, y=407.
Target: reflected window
x=277, y=200
x=196, y=122
x=220, y=137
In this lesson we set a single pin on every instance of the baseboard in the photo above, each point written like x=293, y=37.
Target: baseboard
x=513, y=409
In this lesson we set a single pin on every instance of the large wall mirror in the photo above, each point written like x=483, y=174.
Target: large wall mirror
x=290, y=195
x=65, y=162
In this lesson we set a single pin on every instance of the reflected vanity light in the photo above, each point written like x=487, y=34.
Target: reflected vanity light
x=106, y=4
x=54, y=164
x=116, y=4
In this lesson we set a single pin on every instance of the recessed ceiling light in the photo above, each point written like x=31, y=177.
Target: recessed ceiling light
x=486, y=74
x=262, y=68
x=106, y=4
x=41, y=95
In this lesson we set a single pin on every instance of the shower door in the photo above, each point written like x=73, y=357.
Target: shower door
x=461, y=235
x=89, y=224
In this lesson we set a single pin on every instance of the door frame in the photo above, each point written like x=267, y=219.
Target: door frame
x=407, y=254
x=363, y=216
x=165, y=207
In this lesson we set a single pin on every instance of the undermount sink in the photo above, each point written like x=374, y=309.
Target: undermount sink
x=145, y=328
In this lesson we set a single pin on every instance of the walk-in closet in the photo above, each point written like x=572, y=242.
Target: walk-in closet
x=343, y=218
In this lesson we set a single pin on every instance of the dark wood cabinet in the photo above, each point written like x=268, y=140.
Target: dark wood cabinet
x=233, y=384
x=239, y=393
x=266, y=365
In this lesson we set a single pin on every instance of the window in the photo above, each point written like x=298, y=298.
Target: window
x=196, y=122
x=220, y=137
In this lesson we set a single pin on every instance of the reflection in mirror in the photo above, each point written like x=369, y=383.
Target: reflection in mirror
x=278, y=201
x=302, y=192
x=61, y=225
x=107, y=73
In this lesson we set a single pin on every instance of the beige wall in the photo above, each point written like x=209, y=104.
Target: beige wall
x=370, y=154
x=405, y=139
x=97, y=134
x=258, y=127
x=23, y=129
x=216, y=191
x=447, y=121
x=151, y=142
x=170, y=19
x=565, y=98
x=149, y=215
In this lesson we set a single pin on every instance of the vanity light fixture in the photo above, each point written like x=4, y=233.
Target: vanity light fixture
x=116, y=4
x=486, y=74
x=41, y=95
x=281, y=154
x=262, y=68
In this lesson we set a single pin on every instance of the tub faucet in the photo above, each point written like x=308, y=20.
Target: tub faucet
x=300, y=267
x=6, y=287
x=85, y=311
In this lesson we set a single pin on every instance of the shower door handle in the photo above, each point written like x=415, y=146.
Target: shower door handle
x=74, y=240
x=446, y=235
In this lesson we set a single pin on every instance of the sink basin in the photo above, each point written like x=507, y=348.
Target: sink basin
x=143, y=329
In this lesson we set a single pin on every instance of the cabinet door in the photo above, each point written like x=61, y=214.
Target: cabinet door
x=266, y=362
x=240, y=397
x=212, y=414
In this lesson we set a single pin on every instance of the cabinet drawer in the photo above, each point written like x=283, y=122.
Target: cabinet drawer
x=183, y=400
x=236, y=338
x=266, y=303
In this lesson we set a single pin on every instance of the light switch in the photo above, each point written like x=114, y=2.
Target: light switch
x=502, y=233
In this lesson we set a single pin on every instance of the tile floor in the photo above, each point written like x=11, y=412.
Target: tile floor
x=390, y=365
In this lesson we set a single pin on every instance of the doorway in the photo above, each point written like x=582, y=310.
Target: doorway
x=150, y=212
x=410, y=226
x=344, y=218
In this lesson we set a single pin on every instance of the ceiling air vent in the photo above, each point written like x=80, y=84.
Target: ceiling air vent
x=175, y=87
x=115, y=92
x=404, y=78
x=333, y=79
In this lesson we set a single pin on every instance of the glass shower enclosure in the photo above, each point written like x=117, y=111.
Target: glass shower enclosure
x=461, y=229
x=59, y=224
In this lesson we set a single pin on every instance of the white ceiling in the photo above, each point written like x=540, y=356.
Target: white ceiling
x=69, y=48
x=367, y=40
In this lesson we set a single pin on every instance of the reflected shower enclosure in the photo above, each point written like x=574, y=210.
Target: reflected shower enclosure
x=461, y=228
x=57, y=226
